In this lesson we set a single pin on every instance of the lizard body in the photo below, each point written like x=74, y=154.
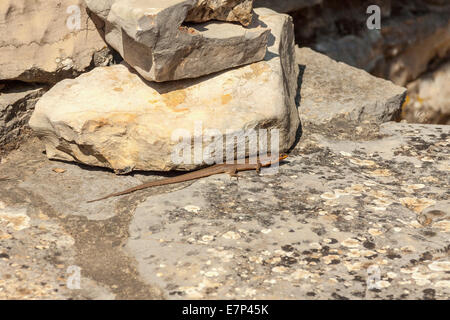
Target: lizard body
x=231, y=169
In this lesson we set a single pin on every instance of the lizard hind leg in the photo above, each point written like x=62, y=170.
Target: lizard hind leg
x=233, y=172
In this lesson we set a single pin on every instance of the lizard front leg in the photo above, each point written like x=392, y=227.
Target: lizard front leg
x=258, y=167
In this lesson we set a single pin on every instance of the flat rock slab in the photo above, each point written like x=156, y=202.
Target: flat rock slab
x=333, y=92
x=271, y=237
x=112, y=118
x=341, y=213
x=46, y=41
x=151, y=37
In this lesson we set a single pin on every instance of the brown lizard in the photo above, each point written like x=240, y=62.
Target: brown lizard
x=231, y=169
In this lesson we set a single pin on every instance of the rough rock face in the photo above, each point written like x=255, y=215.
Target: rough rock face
x=151, y=38
x=113, y=118
x=197, y=10
x=16, y=105
x=414, y=38
x=413, y=34
x=40, y=40
x=330, y=90
x=429, y=97
x=224, y=10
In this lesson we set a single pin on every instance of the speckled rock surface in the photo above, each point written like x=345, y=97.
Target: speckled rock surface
x=345, y=207
x=35, y=253
x=273, y=237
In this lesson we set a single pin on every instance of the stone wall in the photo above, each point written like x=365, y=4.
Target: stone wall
x=414, y=40
x=17, y=101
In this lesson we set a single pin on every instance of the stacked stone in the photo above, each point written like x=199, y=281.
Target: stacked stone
x=219, y=63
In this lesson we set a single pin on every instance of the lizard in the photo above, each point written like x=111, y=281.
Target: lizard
x=231, y=169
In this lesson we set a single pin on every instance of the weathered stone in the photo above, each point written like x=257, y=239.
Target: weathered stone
x=336, y=207
x=151, y=38
x=41, y=41
x=224, y=10
x=17, y=102
x=429, y=97
x=286, y=6
x=35, y=275
x=334, y=92
x=112, y=118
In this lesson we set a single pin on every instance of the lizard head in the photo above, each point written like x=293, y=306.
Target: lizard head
x=269, y=161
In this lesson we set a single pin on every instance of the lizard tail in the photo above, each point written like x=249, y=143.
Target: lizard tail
x=113, y=195
x=100, y=199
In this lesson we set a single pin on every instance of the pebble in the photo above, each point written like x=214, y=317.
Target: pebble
x=231, y=235
x=350, y=243
x=375, y=232
x=193, y=209
x=440, y=266
x=279, y=269
x=443, y=284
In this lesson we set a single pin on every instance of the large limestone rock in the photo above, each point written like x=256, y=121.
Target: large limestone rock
x=333, y=92
x=151, y=37
x=111, y=117
x=38, y=43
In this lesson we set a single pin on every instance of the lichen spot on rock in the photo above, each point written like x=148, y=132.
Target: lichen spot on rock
x=226, y=98
x=174, y=99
